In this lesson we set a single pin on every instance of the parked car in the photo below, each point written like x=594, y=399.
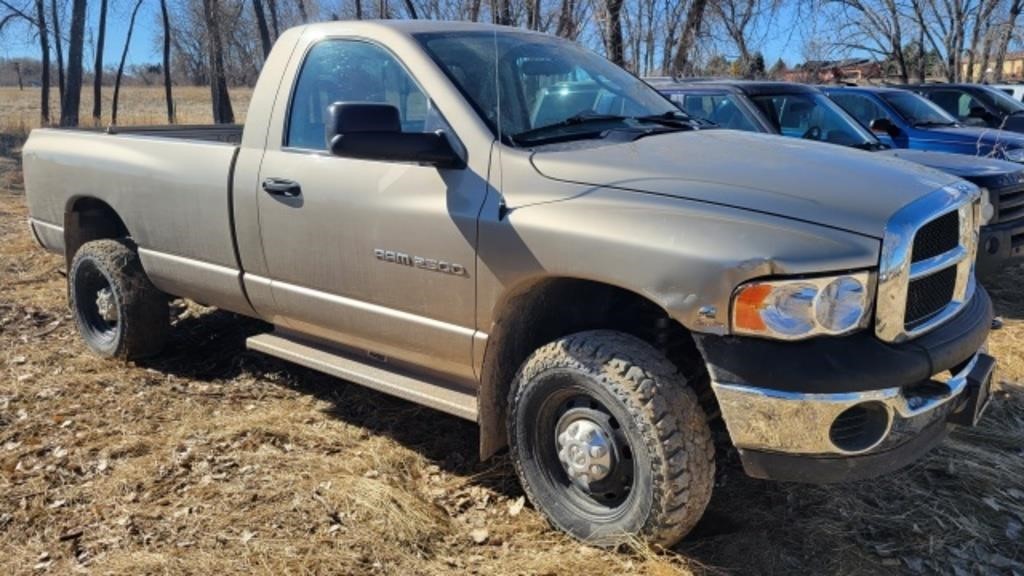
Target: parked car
x=802, y=111
x=976, y=104
x=903, y=119
x=1015, y=91
x=575, y=285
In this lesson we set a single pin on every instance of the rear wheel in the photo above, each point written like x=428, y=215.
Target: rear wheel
x=609, y=441
x=119, y=313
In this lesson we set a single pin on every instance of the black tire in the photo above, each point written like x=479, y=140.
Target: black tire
x=620, y=388
x=119, y=313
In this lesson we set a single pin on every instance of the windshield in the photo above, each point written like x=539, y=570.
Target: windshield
x=917, y=110
x=1000, y=100
x=721, y=109
x=543, y=82
x=814, y=117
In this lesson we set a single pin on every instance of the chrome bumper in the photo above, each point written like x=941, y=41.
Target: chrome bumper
x=790, y=422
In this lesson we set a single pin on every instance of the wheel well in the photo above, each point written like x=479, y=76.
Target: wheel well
x=555, y=308
x=90, y=219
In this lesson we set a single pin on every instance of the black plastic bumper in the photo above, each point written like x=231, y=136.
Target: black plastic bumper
x=1000, y=245
x=848, y=364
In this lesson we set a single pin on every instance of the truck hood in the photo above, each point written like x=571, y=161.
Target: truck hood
x=968, y=167
x=819, y=183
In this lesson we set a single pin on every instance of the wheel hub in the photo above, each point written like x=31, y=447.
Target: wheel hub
x=105, y=305
x=585, y=449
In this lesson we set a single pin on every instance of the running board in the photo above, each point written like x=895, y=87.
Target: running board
x=329, y=361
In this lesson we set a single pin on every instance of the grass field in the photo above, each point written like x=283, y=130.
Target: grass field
x=214, y=460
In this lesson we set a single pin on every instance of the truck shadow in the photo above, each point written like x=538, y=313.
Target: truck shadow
x=1005, y=289
x=750, y=526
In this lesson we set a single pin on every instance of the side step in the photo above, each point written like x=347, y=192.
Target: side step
x=329, y=361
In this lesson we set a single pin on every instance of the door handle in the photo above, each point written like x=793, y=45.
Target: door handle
x=282, y=187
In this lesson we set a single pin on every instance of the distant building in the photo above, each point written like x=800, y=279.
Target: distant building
x=1013, y=68
x=854, y=70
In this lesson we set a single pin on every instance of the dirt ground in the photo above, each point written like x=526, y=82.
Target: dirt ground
x=215, y=460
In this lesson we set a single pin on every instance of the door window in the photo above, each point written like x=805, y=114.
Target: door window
x=352, y=71
x=862, y=108
x=722, y=109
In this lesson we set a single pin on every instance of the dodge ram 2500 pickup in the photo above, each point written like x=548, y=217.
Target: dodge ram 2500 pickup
x=588, y=278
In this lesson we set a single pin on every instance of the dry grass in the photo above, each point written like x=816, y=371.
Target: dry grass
x=214, y=460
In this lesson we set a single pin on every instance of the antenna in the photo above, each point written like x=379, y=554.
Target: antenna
x=497, y=83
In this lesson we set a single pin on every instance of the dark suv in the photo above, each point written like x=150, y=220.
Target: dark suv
x=976, y=104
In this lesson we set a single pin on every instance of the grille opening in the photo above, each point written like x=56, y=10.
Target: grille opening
x=928, y=296
x=1011, y=205
x=937, y=237
x=860, y=427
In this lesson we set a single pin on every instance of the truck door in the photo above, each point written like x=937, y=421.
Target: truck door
x=375, y=256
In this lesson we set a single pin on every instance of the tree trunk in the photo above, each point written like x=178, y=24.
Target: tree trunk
x=168, y=97
x=614, y=32
x=58, y=43
x=222, y=112
x=261, y=25
x=359, y=9
x=1004, y=40
x=44, y=48
x=411, y=9
x=97, y=81
x=120, y=65
x=73, y=89
x=474, y=10
x=691, y=27
x=567, y=20
x=533, y=14
x=17, y=70
x=303, y=14
x=274, y=23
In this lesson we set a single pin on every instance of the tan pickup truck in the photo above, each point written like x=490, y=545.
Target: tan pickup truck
x=506, y=227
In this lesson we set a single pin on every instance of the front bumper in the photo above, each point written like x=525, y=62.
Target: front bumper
x=1000, y=244
x=834, y=409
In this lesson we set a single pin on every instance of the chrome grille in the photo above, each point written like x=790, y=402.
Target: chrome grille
x=926, y=272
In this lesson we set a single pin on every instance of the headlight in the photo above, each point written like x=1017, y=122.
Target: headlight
x=988, y=211
x=1014, y=154
x=797, y=309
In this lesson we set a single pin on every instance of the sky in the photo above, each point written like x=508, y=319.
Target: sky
x=781, y=41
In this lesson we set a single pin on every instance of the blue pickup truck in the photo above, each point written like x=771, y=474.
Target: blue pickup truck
x=801, y=111
x=903, y=119
x=976, y=104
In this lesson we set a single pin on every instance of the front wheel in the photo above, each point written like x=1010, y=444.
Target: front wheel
x=608, y=440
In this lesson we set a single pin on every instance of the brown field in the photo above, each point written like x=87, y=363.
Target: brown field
x=215, y=460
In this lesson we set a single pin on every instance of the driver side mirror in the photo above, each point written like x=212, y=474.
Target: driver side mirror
x=370, y=131
x=884, y=126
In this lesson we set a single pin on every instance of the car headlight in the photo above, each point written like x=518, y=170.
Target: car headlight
x=801, y=308
x=1014, y=154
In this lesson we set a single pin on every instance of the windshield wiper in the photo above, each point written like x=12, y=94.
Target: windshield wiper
x=931, y=123
x=575, y=120
x=870, y=146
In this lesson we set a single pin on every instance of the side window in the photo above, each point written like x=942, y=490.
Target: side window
x=952, y=101
x=860, y=107
x=352, y=71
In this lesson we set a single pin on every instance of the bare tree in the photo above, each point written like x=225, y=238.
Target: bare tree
x=44, y=48
x=274, y=22
x=1003, y=43
x=58, y=43
x=691, y=27
x=221, y=100
x=73, y=89
x=613, y=32
x=982, y=17
x=167, y=62
x=303, y=13
x=874, y=26
x=261, y=26
x=120, y=65
x=410, y=8
x=567, y=20
x=97, y=78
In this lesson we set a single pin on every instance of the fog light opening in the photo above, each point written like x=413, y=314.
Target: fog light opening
x=992, y=245
x=860, y=427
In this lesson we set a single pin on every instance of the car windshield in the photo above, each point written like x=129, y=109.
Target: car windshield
x=918, y=110
x=1000, y=100
x=717, y=108
x=532, y=88
x=814, y=117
